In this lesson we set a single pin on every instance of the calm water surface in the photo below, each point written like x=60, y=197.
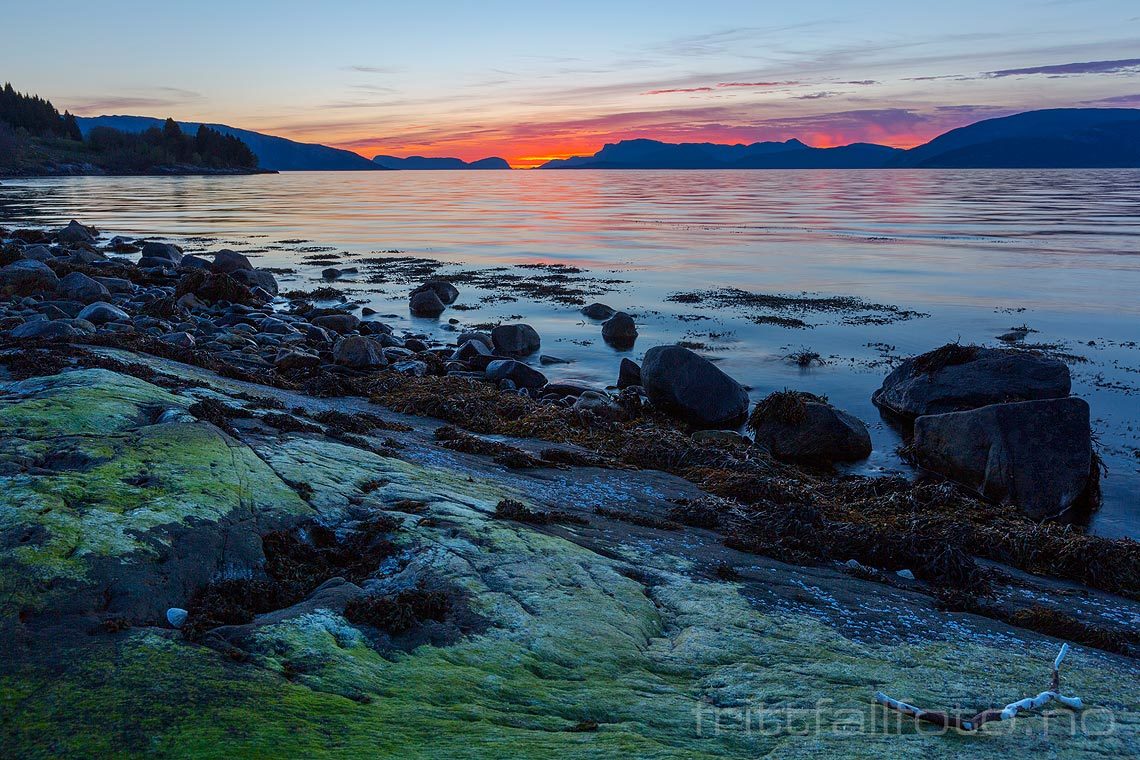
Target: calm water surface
x=979, y=251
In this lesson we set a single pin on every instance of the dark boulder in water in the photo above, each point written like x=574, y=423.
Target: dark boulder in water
x=162, y=251
x=426, y=303
x=1034, y=454
x=79, y=287
x=955, y=378
x=446, y=292
x=620, y=331
x=598, y=311
x=800, y=427
x=229, y=261
x=693, y=388
x=515, y=340
x=75, y=232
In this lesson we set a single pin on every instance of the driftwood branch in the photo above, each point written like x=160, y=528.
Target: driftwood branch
x=944, y=719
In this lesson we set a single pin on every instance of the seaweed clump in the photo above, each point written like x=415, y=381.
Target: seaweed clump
x=786, y=407
x=296, y=562
x=399, y=612
x=511, y=509
x=949, y=355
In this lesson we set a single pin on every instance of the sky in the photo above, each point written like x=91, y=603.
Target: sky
x=530, y=81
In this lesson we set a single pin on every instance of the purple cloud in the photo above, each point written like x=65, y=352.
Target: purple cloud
x=1064, y=69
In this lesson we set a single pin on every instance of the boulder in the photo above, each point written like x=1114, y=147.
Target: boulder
x=955, y=378
x=229, y=261
x=257, y=278
x=598, y=405
x=102, y=312
x=472, y=349
x=482, y=337
x=38, y=253
x=79, y=287
x=190, y=261
x=43, y=329
x=413, y=367
x=165, y=251
x=426, y=303
x=358, y=352
x=330, y=274
x=799, y=427
x=517, y=372
x=446, y=292
x=598, y=311
x=26, y=277
x=339, y=323
x=628, y=374
x=515, y=340
x=1036, y=455
x=75, y=232
x=619, y=330
x=691, y=387
x=293, y=360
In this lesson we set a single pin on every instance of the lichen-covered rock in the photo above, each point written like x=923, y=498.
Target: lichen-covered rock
x=577, y=642
x=955, y=378
x=117, y=494
x=1034, y=454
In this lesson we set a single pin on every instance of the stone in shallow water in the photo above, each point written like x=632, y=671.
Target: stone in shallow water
x=691, y=387
x=968, y=377
x=1034, y=454
x=515, y=340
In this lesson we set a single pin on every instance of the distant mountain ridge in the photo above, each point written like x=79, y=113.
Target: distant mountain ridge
x=276, y=153
x=791, y=154
x=418, y=163
x=1053, y=138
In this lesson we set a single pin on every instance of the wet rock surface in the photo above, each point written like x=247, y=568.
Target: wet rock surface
x=954, y=378
x=1034, y=454
x=693, y=387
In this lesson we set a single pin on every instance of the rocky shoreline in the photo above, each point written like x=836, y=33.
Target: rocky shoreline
x=202, y=471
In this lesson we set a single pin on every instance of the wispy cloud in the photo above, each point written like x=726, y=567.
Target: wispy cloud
x=815, y=96
x=1116, y=100
x=678, y=89
x=374, y=69
x=755, y=84
x=162, y=97
x=1066, y=69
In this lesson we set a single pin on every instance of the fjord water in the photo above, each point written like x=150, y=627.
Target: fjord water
x=978, y=251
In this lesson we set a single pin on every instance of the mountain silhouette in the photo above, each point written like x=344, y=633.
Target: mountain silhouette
x=1068, y=137
x=1059, y=137
x=421, y=162
x=275, y=153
